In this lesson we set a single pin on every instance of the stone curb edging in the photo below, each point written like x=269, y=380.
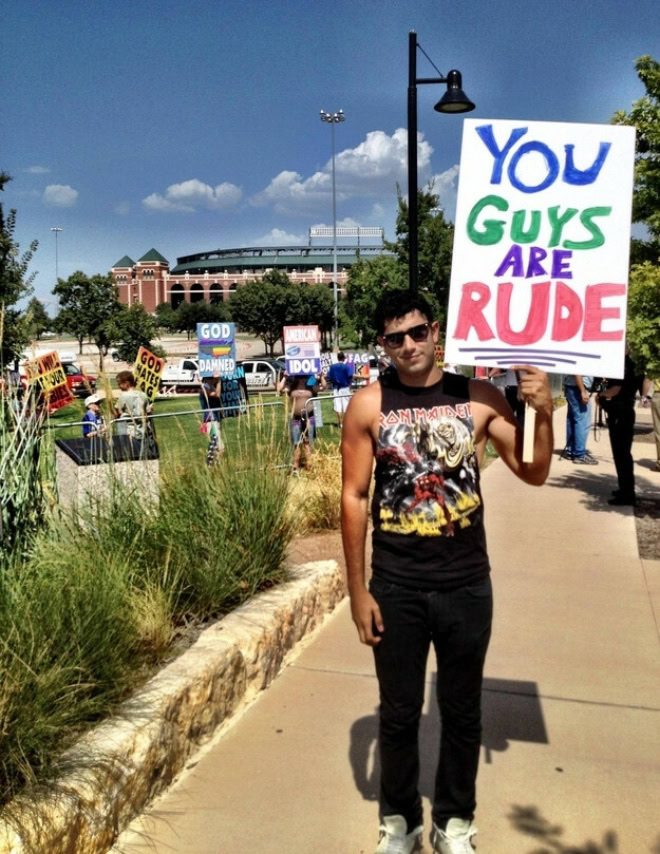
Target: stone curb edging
x=130, y=759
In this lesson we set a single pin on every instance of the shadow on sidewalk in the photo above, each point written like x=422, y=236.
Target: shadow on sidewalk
x=531, y=822
x=511, y=711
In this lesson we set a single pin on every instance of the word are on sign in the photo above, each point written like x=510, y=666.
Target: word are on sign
x=540, y=262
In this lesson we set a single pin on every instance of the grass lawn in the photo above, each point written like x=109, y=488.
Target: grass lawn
x=178, y=434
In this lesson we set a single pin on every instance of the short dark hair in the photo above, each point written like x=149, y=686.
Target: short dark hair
x=395, y=303
x=341, y=357
x=125, y=377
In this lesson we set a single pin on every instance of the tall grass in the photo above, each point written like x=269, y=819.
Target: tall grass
x=95, y=604
x=314, y=498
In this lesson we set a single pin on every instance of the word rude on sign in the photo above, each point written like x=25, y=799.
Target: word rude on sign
x=216, y=349
x=147, y=371
x=302, y=350
x=540, y=261
x=46, y=372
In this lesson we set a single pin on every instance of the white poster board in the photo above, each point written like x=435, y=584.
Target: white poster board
x=541, y=246
x=302, y=350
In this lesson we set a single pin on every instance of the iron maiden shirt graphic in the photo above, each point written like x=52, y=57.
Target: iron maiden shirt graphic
x=427, y=476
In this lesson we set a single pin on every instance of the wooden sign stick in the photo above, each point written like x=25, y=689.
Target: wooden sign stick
x=528, y=429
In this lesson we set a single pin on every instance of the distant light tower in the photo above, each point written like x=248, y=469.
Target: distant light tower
x=333, y=119
x=57, y=231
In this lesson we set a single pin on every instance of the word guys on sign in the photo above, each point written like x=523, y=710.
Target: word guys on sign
x=216, y=349
x=47, y=374
x=302, y=350
x=540, y=263
x=147, y=371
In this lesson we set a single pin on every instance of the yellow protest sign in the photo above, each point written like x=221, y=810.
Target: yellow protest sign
x=47, y=373
x=147, y=372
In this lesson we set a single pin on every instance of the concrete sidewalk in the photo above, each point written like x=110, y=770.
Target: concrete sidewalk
x=571, y=742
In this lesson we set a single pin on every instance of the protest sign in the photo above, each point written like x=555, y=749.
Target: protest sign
x=147, y=371
x=541, y=244
x=216, y=349
x=360, y=362
x=302, y=350
x=46, y=372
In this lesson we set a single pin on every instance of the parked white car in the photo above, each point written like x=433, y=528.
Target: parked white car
x=262, y=374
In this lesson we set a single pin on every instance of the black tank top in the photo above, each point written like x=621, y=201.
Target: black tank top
x=427, y=509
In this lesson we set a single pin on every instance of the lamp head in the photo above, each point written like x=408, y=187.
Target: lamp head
x=454, y=100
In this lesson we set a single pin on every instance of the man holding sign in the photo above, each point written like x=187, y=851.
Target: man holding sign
x=427, y=431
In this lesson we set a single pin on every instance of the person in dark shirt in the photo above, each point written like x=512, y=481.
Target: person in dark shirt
x=618, y=401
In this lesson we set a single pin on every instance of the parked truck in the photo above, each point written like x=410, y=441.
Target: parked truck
x=181, y=376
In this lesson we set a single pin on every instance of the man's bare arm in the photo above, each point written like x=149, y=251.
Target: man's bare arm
x=494, y=420
x=357, y=452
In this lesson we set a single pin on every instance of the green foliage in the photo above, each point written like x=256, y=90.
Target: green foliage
x=14, y=285
x=97, y=603
x=317, y=307
x=166, y=317
x=189, y=314
x=264, y=307
x=366, y=281
x=134, y=328
x=89, y=307
x=38, y=319
x=645, y=117
x=435, y=241
x=643, y=327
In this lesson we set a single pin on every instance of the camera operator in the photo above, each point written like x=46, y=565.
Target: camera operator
x=618, y=401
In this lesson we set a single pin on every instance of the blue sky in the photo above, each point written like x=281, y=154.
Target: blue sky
x=189, y=126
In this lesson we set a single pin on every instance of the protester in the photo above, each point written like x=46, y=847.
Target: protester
x=618, y=400
x=93, y=422
x=303, y=425
x=210, y=398
x=133, y=407
x=316, y=383
x=577, y=391
x=340, y=376
x=431, y=577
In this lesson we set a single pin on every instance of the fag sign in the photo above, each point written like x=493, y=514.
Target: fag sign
x=147, y=371
x=542, y=238
x=47, y=373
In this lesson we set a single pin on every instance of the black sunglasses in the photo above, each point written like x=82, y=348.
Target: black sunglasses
x=417, y=333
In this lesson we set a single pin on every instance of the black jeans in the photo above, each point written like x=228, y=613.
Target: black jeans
x=621, y=424
x=458, y=624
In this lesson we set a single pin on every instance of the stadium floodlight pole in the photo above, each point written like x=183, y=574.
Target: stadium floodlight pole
x=57, y=270
x=453, y=101
x=333, y=119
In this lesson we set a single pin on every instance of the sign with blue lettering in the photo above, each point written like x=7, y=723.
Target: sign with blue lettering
x=302, y=350
x=541, y=244
x=216, y=349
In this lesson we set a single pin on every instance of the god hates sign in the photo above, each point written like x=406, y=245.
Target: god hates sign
x=147, y=371
x=541, y=243
x=302, y=350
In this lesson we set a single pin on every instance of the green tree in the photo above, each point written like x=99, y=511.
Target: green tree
x=134, y=328
x=435, y=241
x=643, y=327
x=88, y=307
x=265, y=307
x=317, y=307
x=189, y=314
x=645, y=117
x=15, y=283
x=366, y=282
x=38, y=319
x=166, y=317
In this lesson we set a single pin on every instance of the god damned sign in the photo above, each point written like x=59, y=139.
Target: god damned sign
x=540, y=262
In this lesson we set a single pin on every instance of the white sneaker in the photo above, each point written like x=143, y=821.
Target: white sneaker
x=455, y=839
x=394, y=839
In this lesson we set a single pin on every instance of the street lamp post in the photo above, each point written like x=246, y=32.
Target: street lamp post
x=453, y=101
x=333, y=119
x=57, y=231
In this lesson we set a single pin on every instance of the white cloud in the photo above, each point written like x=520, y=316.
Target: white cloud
x=60, y=196
x=445, y=185
x=372, y=168
x=37, y=170
x=346, y=222
x=187, y=196
x=279, y=237
x=123, y=208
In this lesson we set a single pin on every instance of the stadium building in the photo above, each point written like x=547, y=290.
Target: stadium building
x=213, y=276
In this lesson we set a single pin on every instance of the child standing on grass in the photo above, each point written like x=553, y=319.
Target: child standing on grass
x=211, y=401
x=93, y=423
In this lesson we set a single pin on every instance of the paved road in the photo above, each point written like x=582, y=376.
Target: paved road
x=571, y=743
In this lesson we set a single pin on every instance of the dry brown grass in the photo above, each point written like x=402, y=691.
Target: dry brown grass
x=314, y=497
